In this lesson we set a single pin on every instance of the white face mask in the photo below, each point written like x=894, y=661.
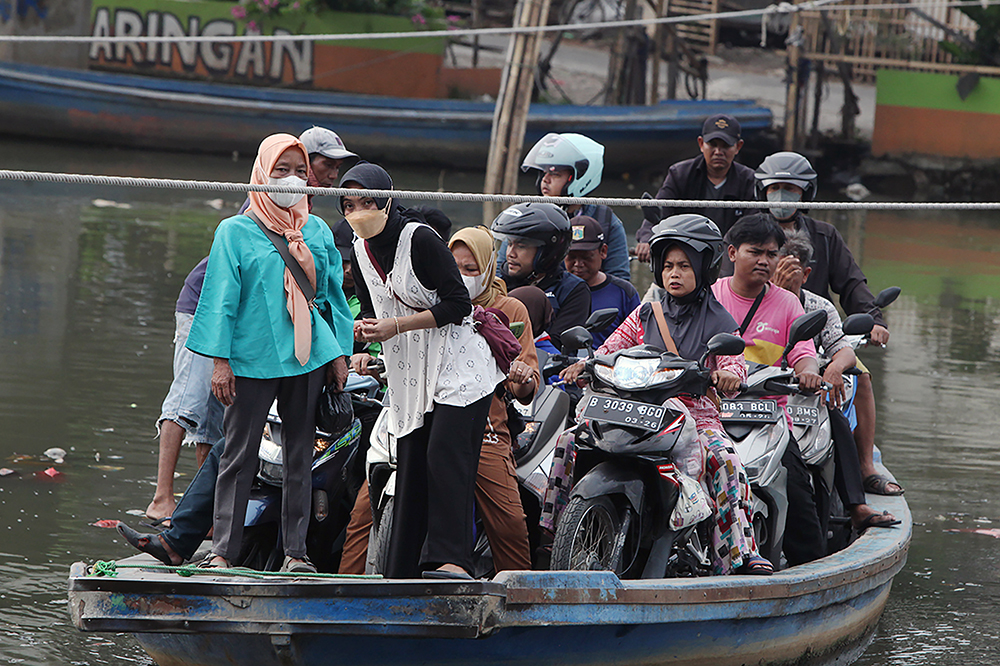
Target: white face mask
x=286, y=199
x=783, y=212
x=369, y=223
x=476, y=284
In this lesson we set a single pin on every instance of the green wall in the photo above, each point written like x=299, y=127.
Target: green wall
x=927, y=90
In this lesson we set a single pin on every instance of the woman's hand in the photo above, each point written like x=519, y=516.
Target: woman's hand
x=520, y=372
x=725, y=381
x=376, y=330
x=359, y=363
x=357, y=331
x=570, y=374
x=223, y=382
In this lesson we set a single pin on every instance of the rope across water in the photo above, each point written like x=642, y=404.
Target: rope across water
x=426, y=195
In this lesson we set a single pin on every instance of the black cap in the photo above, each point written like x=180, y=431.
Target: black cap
x=721, y=126
x=587, y=234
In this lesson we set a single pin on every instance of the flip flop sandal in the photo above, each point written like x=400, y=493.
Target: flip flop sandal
x=146, y=543
x=162, y=523
x=876, y=484
x=872, y=521
x=756, y=566
x=209, y=562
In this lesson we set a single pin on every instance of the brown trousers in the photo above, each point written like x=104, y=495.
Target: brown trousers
x=497, y=500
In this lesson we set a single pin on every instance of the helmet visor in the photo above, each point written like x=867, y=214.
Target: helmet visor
x=514, y=239
x=553, y=152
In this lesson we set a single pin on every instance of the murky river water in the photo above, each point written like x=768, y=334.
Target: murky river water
x=86, y=323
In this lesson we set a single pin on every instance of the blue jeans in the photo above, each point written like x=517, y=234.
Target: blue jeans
x=192, y=519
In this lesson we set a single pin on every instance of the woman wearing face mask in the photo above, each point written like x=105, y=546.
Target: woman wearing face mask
x=268, y=342
x=441, y=376
x=497, y=496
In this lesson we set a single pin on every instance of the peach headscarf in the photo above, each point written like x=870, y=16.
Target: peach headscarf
x=287, y=222
x=479, y=240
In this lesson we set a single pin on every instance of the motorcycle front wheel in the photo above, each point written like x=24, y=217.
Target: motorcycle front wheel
x=587, y=535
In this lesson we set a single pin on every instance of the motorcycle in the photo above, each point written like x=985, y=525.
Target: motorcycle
x=632, y=509
x=543, y=421
x=759, y=431
x=337, y=474
x=811, y=426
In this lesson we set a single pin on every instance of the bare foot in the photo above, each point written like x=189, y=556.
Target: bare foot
x=863, y=516
x=159, y=509
x=451, y=568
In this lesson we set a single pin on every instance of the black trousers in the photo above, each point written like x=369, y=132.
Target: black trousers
x=433, y=518
x=244, y=424
x=805, y=537
x=847, y=475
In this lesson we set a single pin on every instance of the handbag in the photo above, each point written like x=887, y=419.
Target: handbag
x=493, y=325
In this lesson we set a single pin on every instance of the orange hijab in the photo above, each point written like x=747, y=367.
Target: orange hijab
x=287, y=222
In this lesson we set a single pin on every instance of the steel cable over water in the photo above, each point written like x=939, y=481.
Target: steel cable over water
x=770, y=10
x=428, y=195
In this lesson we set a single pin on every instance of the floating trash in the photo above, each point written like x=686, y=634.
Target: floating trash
x=107, y=468
x=6, y=471
x=136, y=512
x=107, y=524
x=97, y=456
x=50, y=473
x=105, y=203
x=995, y=533
x=217, y=204
x=57, y=454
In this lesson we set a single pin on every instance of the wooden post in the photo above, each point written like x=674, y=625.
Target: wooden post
x=654, y=87
x=792, y=91
x=510, y=115
x=475, y=40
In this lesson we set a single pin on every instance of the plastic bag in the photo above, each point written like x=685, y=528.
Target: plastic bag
x=693, y=505
x=335, y=413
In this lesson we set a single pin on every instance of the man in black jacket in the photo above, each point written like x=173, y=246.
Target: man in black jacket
x=711, y=175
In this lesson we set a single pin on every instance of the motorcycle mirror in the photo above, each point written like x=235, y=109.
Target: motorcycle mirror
x=575, y=339
x=806, y=327
x=887, y=296
x=726, y=344
x=859, y=324
x=601, y=319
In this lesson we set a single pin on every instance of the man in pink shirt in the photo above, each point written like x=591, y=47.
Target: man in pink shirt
x=754, y=244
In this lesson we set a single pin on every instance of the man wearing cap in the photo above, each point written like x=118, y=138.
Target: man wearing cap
x=711, y=175
x=327, y=153
x=587, y=251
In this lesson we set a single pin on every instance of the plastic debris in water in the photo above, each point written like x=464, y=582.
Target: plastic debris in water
x=217, y=204
x=107, y=468
x=136, y=512
x=107, y=524
x=105, y=203
x=995, y=533
x=6, y=471
x=51, y=473
x=97, y=456
x=55, y=453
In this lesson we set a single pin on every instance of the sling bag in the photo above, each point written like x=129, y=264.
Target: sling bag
x=281, y=245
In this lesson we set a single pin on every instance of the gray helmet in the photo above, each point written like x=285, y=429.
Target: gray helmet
x=694, y=231
x=544, y=225
x=786, y=167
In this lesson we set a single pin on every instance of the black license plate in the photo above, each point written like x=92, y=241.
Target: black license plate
x=749, y=411
x=624, y=412
x=801, y=415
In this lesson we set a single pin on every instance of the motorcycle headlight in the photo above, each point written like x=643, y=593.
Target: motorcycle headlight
x=637, y=373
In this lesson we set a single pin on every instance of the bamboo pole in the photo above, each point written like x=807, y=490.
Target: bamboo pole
x=792, y=90
x=510, y=115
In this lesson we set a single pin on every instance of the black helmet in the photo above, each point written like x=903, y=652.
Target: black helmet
x=694, y=231
x=786, y=167
x=542, y=224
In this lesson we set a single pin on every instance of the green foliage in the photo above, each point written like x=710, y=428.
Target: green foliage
x=420, y=11
x=987, y=38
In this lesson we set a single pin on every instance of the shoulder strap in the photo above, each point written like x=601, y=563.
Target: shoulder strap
x=375, y=264
x=661, y=321
x=753, y=310
x=281, y=245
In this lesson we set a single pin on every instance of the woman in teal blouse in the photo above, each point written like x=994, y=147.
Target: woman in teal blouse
x=268, y=342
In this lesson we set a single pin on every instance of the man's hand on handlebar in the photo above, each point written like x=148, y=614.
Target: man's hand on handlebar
x=835, y=395
x=572, y=373
x=879, y=335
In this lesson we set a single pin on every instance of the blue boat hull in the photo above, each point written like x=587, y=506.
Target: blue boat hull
x=824, y=612
x=147, y=112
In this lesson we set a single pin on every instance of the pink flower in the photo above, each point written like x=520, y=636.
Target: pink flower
x=252, y=25
x=296, y=5
x=454, y=19
x=239, y=12
x=418, y=20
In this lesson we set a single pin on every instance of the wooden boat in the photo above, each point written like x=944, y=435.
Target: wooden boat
x=824, y=612
x=174, y=114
